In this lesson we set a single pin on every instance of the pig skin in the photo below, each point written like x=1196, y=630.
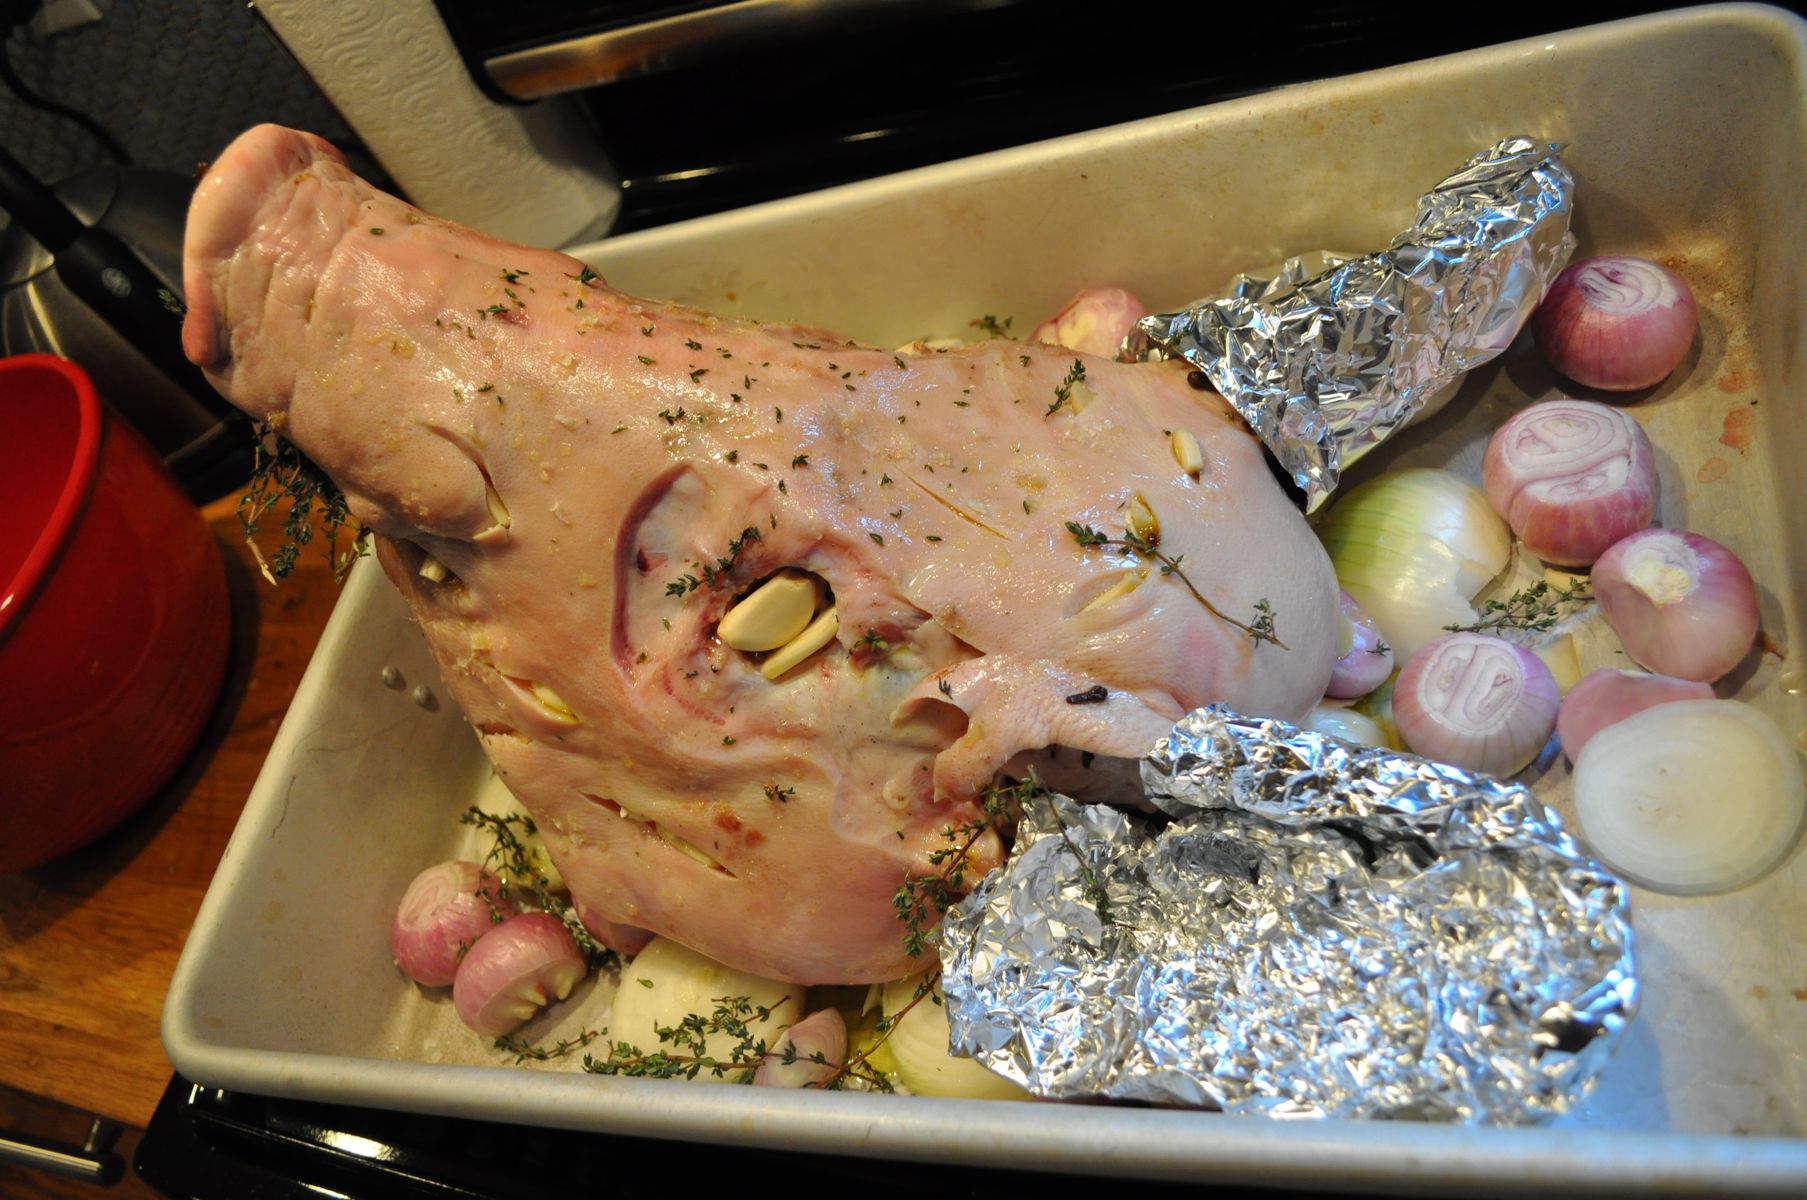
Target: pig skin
x=569, y=453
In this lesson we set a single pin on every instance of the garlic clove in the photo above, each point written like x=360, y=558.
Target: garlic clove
x=773, y=614
x=816, y=635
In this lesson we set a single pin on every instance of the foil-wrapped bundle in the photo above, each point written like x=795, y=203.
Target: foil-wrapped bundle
x=1332, y=356
x=1320, y=929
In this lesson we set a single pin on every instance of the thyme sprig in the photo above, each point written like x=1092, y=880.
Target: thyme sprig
x=523, y=1051
x=922, y=900
x=280, y=473
x=1259, y=629
x=514, y=863
x=684, y=1047
x=1063, y=392
x=1535, y=609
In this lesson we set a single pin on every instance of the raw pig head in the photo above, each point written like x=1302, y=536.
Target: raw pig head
x=590, y=482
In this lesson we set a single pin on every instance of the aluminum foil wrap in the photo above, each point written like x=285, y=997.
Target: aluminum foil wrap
x=1321, y=929
x=1332, y=356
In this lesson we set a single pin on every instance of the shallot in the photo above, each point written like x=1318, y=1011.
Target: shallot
x=1366, y=659
x=1571, y=477
x=809, y=1054
x=442, y=914
x=1693, y=797
x=1682, y=604
x=514, y=970
x=1095, y=321
x=1476, y=702
x=1616, y=323
x=1607, y=697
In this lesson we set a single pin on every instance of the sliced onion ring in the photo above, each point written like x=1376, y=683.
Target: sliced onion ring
x=1690, y=798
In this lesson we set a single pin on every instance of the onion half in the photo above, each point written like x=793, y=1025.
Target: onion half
x=1413, y=548
x=919, y=1049
x=1476, y=702
x=1690, y=798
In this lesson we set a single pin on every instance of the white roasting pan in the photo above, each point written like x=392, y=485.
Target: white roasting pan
x=1687, y=133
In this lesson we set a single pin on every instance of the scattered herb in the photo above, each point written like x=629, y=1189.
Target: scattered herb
x=513, y=275
x=901, y=365
x=645, y=361
x=877, y=537
x=945, y=688
x=727, y=739
x=697, y=373
x=692, y=344
x=172, y=302
x=494, y=310
x=991, y=327
x=732, y=456
x=376, y=230
x=801, y=460
x=781, y=794
x=672, y=418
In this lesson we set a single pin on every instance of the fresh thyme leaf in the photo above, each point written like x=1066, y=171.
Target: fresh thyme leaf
x=172, y=302
x=1535, y=609
x=991, y=326
x=281, y=473
x=801, y=460
x=780, y=794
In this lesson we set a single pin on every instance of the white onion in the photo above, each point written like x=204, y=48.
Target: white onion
x=1413, y=548
x=816, y=1046
x=919, y=1049
x=514, y=970
x=1693, y=797
x=1475, y=702
x=1094, y=322
x=1682, y=604
x=1616, y=323
x=1366, y=659
x=1608, y=697
x=1340, y=721
x=668, y=981
x=1571, y=477
x=441, y=915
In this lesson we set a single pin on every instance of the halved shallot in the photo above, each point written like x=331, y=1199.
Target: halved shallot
x=442, y=914
x=1571, y=477
x=1476, y=702
x=1682, y=604
x=1616, y=323
x=514, y=970
x=1693, y=797
x=1607, y=697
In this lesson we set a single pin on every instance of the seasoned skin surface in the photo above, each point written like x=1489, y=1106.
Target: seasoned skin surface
x=574, y=457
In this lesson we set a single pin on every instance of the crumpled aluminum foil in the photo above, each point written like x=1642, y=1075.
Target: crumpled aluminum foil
x=1333, y=356
x=1323, y=929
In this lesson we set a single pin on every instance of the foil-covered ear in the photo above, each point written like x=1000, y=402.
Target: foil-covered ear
x=1331, y=356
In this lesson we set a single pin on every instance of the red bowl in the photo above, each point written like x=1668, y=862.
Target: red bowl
x=113, y=615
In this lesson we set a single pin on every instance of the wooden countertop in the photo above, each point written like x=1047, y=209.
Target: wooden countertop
x=88, y=943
